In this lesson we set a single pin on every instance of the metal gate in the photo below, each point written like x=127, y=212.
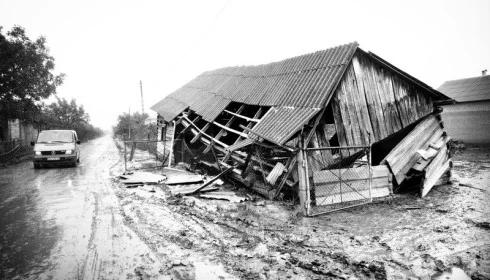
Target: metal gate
x=338, y=178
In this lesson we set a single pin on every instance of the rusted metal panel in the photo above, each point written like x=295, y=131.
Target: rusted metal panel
x=280, y=123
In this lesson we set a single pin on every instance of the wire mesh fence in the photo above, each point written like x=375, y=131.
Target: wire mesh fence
x=339, y=178
x=144, y=154
x=13, y=149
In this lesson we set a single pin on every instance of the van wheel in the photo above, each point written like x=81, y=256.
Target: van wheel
x=37, y=165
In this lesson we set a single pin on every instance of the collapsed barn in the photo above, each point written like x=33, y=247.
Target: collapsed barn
x=336, y=127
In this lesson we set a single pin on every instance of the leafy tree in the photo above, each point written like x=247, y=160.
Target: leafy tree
x=137, y=123
x=26, y=74
x=141, y=129
x=65, y=114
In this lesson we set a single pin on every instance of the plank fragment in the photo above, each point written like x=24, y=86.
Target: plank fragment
x=404, y=156
x=439, y=165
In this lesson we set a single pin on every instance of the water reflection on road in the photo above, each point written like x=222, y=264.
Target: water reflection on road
x=65, y=223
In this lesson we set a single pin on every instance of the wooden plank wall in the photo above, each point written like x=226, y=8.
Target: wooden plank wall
x=372, y=103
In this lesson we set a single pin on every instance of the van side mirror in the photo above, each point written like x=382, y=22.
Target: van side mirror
x=33, y=143
x=78, y=142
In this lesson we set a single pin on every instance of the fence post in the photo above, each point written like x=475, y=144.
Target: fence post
x=171, y=147
x=125, y=160
x=303, y=178
x=164, y=141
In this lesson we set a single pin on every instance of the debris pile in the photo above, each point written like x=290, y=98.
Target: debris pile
x=180, y=182
x=183, y=183
x=423, y=152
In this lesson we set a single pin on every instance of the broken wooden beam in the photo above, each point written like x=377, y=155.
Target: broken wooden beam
x=438, y=166
x=214, y=179
x=241, y=134
x=197, y=136
x=242, y=117
x=405, y=155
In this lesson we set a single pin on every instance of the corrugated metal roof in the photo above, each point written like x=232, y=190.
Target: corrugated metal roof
x=305, y=81
x=281, y=123
x=169, y=108
x=471, y=89
x=214, y=107
x=240, y=145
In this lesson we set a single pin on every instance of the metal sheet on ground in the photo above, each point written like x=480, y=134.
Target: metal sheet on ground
x=177, y=179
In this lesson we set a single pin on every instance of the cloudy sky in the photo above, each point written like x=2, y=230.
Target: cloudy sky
x=106, y=47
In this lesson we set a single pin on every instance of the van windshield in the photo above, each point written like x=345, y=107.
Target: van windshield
x=55, y=136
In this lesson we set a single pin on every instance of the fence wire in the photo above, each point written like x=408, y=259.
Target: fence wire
x=143, y=154
x=13, y=149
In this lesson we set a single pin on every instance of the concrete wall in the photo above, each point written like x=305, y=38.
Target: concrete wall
x=468, y=122
x=21, y=131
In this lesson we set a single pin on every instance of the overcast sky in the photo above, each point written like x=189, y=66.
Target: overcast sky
x=106, y=47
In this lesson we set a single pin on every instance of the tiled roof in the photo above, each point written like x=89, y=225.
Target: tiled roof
x=471, y=89
x=306, y=81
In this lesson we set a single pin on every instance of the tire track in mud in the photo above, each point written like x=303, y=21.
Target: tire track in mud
x=242, y=233
x=377, y=241
x=174, y=247
x=92, y=253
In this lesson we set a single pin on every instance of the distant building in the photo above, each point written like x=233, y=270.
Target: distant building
x=468, y=119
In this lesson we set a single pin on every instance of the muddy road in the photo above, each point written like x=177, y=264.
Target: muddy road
x=81, y=223
x=404, y=237
x=65, y=223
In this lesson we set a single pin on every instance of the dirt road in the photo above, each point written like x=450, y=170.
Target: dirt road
x=80, y=223
x=65, y=223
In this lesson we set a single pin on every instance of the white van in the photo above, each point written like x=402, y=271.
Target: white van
x=56, y=147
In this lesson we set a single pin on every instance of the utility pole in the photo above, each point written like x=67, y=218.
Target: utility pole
x=141, y=92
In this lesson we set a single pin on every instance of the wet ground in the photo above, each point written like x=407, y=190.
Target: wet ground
x=80, y=223
x=65, y=223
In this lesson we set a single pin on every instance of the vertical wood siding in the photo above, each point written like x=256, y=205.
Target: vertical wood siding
x=372, y=103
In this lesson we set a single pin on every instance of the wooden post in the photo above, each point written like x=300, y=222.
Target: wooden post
x=164, y=141
x=125, y=159
x=302, y=178
x=171, y=147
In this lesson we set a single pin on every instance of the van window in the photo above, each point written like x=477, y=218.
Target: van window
x=55, y=136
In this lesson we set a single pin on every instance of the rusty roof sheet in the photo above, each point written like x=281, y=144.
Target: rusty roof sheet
x=305, y=81
x=471, y=89
x=281, y=123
